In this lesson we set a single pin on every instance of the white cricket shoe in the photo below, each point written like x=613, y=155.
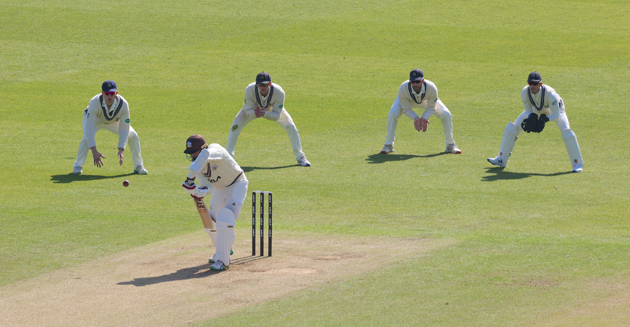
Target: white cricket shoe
x=140, y=170
x=218, y=266
x=498, y=161
x=388, y=148
x=577, y=168
x=212, y=260
x=452, y=148
x=77, y=170
x=303, y=162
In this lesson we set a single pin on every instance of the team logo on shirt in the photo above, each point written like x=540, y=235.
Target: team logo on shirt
x=127, y=120
x=281, y=106
x=214, y=167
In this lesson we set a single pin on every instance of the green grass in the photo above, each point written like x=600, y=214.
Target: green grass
x=532, y=237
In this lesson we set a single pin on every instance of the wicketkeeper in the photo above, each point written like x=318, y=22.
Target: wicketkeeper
x=216, y=172
x=108, y=110
x=542, y=104
x=419, y=93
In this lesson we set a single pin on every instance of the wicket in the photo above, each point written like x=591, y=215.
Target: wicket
x=262, y=222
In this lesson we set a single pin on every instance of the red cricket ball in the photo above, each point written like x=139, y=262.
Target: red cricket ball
x=125, y=183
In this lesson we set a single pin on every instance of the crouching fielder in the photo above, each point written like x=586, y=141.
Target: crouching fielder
x=216, y=172
x=542, y=104
x=421, y=94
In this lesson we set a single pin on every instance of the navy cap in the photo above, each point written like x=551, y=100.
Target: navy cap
x=194, y=144
x=263, y=78
x=416, y=75
x=534, y=77
x=109, y=86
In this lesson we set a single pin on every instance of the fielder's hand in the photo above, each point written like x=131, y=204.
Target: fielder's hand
x=421, y=124
x=259, y=112
x=120, y=155
x=97, y=158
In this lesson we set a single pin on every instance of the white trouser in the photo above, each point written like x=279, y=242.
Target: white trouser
x=230, y=198
x=285, y=121
x=440, y=111
x=133, y=141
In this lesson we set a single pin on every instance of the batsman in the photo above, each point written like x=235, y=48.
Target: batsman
x=542, y=104
x=216, y=172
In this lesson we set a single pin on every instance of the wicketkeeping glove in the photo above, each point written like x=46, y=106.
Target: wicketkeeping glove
x=530, y=123
x=540, y=123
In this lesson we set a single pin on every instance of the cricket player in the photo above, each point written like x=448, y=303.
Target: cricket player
x=109, y=111
x=542, y=104
x=264, y=99
x=419, y=93
x=216, y=172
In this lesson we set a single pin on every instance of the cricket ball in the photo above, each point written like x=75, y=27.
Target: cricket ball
x=125, y=183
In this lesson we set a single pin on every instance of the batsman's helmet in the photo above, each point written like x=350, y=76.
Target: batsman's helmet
x=194, y=144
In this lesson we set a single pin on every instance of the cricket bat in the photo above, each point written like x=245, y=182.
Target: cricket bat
x=208, y=222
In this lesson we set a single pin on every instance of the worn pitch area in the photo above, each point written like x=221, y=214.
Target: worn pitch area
x=169, y=283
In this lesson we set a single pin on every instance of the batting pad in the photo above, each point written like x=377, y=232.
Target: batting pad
x=225, y=235
x=509, y=140
x=573, y=149
x=213, y=235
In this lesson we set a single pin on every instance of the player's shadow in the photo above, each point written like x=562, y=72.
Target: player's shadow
x=182, y=274
x=381, y=157
x=247, y=169
x=201, y=271
x=69, y=178
x=498, y=173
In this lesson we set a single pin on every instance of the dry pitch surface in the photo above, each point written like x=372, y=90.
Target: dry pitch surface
x=169, y=283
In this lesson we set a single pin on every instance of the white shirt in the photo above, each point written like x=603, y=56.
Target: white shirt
x=551, y=104
x=427, y=99
x=97, y=113
x=273, y=103
x=215, y=168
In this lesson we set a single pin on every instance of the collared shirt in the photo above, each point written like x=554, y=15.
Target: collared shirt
x=117, y=114
x=546, y=101
x=272, y=103
x=215, y=167
x=427, y=98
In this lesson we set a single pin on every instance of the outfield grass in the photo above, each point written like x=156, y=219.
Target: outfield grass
x=533, y=240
